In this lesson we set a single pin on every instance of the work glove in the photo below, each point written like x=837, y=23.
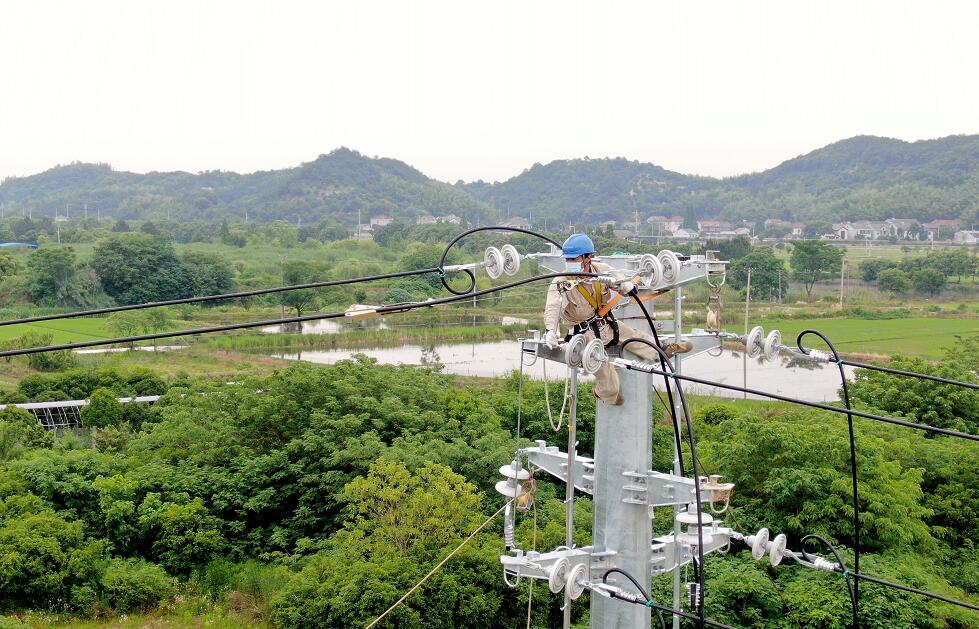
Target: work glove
x=551, y=339
x=627, y=286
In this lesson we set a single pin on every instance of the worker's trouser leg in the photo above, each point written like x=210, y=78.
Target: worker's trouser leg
x=606, y=378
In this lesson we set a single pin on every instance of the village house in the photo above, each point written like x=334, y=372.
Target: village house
x=381, y=220
x=516, y=221
x=426, y=219
x=664, y=225
x=967, y=237
x=934, y=229
x=712, y=226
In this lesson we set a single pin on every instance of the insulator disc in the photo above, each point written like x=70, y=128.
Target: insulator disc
x=511, y=260
x=650, y=271
x=593, y=356
x=576, y=581
x=493, y=261
x=773, y=344
x=759, y=544
x=671, y=266
x=558, y=575
x=575, y=350
x=755, y=344
x=778, y=549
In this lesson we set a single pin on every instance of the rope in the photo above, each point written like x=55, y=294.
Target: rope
x=547, y=400
x=438, y=565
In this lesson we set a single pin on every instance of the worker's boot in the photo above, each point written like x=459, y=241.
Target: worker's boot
x=680, y=347
x=617, y=401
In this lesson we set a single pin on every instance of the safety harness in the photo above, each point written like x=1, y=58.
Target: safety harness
x=603, y=316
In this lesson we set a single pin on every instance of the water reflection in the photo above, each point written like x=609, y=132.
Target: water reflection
x=785, y=375
x=336, y=326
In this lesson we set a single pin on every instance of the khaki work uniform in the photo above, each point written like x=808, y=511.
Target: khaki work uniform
x=573, y=305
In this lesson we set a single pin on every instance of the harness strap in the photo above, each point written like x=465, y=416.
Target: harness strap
x=593, y=298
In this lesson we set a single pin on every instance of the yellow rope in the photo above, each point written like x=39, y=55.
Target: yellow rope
x=439, y=565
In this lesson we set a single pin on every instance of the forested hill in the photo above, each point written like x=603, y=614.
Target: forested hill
x=331, y=187
x=859, y=178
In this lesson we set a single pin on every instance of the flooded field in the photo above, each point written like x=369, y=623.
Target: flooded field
x=814, y=382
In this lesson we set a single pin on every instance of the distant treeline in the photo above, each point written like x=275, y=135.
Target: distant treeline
x=859, y=178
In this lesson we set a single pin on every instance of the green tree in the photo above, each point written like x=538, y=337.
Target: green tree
x=870, y=268
x=8, y=265
x=768, y=274
x=19, y=431
x=51, y=274
x=894, y=281
x=103, y=409
x=928, y=281
x=211, y=274
x=302, y=273
x=135, y=268
x=135, y=584
x=813, y=261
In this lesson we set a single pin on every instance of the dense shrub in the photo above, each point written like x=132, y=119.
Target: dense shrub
x=135, y=584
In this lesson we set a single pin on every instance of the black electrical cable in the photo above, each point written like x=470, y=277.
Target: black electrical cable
x=855, y=589
x=897, y=586
x=195, y=300
x=472, y=278
x=850, y=585
x=693, y=465
x=257, y=324
x=825, y=407
x=896, y=372
x=666, y=381
x=905, y=588
x=683, y=614
x=642, y=590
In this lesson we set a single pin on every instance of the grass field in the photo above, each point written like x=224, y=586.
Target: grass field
x=919, y=336
x=63, y=331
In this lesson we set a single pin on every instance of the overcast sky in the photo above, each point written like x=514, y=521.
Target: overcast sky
x=475, y=90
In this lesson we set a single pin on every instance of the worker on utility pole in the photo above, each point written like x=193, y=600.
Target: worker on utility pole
x=585, y=305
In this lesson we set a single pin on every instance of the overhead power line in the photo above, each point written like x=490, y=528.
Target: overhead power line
x=222, y=296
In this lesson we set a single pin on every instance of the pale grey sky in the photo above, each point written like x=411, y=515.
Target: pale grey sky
x=468, y=90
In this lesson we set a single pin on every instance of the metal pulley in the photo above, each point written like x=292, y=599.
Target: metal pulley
x=754, y=343
x=670, y=264
x=650, y=271
x=511, y=259
x=493, y=262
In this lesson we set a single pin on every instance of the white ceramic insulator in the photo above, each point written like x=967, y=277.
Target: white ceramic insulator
x=670, y=264
x=777, y=549
x=754, y=344
x=558, y=575
x=511, y=260
x=650, y=271
x=493, y=262
x=593, y=356
x=575, y=350
x=576, y=581
x=759, y=542
x=773, y=344
x=510, y=471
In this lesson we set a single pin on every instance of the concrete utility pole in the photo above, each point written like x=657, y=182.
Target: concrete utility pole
x=842, y=269
x=744, y=355
x=624, y=488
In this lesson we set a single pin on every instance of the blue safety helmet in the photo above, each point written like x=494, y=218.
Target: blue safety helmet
x=577, y=245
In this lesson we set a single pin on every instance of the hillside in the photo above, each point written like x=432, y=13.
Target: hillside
x=331, y=187
x=859, y=178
